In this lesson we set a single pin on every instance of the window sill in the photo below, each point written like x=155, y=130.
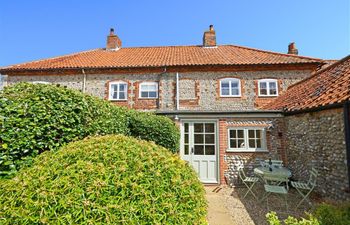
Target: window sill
x=117, y=100
x=250, y=151
x=235, y=96
x=148, y=98
x=267, y=96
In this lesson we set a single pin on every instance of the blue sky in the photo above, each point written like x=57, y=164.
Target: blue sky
x=31, y=30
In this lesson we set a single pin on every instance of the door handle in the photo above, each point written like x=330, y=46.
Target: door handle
x=192, y=150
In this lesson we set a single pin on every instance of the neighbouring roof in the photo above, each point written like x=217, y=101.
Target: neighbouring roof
x=137, y=57
x=326, y=87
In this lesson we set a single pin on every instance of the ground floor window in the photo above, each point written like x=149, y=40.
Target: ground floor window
x=246, y=139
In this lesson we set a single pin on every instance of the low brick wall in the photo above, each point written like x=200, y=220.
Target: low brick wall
x=317, y=140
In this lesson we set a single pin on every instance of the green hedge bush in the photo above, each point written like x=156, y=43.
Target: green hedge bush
x=150, y=127
x=105, y=180
x=329, y=214
x=38, y=117
x=324, y=214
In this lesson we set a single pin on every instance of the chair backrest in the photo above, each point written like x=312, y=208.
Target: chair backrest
x=313, y=177
x=241, y=173
x=277, y=163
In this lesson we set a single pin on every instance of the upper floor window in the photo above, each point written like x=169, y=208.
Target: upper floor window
x=230, y=87
x=246, y=139
x=268, y=87
x=149, y=90
x=118, y=90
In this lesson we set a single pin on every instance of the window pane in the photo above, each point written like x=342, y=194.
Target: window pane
x=209, y=128
x=186, y=127
x=152, y=87
x=186, y=149
x=258, y=133
x=225, y=91
x=225, y=84
x=122, y=95
x=233, y=143
x=273, y=91
x=241, y=143
x=232, y=133
x=210, y=149
x=263, y=85
x=198, y=138
x=258, y=143
x=240, y=133
x=235, y=91
x=198, y=127
x=186, y=138
x=234, y=84
x=152, y=94
x=251, y=143
x=263, y=91
x=272, y=85
x=199, y=150
x=115, y=95
x=251, y=133
x=209, y=138
x=122, y=87
x=144, y=94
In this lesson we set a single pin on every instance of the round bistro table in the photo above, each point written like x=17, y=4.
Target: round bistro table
x=278, y=172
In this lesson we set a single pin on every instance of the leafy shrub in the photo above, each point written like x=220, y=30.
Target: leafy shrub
x=105, y=180
x=273, y=219
x=159, y=129
x=36, y=117
x=329, y=214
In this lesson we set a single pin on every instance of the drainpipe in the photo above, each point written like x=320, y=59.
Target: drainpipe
x=347, y=135
x=177, y=92
x=84, y=80
x=177, y=95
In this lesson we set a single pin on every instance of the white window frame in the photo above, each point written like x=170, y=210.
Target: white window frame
x=148, y=83
x=268, y=81
x=246, y=140
x=41, y=82
x=110, y=94
x=230, y=80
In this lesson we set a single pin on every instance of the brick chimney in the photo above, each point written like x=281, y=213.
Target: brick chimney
x=292, y=49
x=113, y=41
x=209, y=37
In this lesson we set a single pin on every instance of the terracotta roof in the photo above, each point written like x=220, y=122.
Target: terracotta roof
x=163, y=56
x=328, y=86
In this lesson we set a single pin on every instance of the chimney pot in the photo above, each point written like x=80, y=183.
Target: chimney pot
x=209, y=37
x=211, y=27
x=113, y=41
x=292, y=49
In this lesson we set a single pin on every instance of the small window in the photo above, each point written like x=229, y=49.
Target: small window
x=268, y=87
x=230, y=87
x=149, y=90
x=118, y=91
x=246, y=139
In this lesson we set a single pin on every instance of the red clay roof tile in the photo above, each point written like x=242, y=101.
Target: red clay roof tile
x=328, y=86
x=163, y=56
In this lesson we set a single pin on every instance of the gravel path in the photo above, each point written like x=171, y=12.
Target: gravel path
x=227, y=206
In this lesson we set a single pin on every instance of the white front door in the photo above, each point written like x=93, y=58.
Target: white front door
x=199, y=148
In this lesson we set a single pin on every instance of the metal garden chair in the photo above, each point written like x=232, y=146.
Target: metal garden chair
x=305, y=188
x=249, y=182
x=275, y=163
x=272, y=186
